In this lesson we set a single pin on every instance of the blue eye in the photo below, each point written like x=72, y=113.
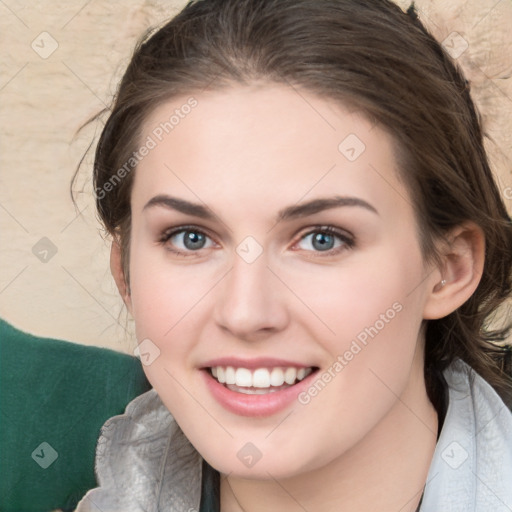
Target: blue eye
x=192, y=239
x=324, y=239
x=187, y=240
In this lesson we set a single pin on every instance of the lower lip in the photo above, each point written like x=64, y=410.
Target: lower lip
x=255, y=405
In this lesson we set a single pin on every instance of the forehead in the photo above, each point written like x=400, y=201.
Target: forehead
x=265, y=142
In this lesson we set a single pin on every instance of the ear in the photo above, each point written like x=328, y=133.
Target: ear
x=463, y=263
x=117, y=272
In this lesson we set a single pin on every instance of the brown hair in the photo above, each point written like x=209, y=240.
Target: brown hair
x=367, y=54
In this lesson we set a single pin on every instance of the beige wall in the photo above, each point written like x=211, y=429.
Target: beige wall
x=45, y=97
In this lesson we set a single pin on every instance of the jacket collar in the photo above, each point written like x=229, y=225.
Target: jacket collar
x=144, y=462
x=471, y=469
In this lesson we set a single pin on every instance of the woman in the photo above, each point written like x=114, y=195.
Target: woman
x=309, y=238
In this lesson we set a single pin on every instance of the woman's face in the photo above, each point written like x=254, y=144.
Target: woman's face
x=251, y=285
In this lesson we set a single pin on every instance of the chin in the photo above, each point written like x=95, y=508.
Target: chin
x=277, y=466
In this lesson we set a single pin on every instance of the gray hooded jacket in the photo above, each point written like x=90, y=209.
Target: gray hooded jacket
x=144, y=462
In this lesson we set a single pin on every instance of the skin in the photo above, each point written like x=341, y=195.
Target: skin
x=365, y=442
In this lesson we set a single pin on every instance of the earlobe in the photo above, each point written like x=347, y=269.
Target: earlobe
x=456, y=282
x=118, y=274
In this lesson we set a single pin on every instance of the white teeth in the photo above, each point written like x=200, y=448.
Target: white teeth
x=221, y=375
x=230, y=375
x=290, y=375
x=259, y=378
x=277, y=377
x=243, y=377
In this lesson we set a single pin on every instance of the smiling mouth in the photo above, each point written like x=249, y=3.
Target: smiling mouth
x=261, y=380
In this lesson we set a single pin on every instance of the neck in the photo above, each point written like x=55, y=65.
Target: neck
x=385, y=471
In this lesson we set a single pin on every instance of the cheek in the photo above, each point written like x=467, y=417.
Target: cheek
x=164, y=309
x=164, y=294
x=165, y=300
x=367, y=292
x=370, y=316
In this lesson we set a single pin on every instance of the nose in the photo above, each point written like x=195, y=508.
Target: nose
x=250, y=301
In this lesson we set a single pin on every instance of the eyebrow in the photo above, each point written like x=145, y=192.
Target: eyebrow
x=288, y=213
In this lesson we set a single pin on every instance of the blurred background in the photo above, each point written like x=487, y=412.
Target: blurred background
x=61, y=62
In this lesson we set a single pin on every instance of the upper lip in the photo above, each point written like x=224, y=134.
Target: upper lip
x=258, y=362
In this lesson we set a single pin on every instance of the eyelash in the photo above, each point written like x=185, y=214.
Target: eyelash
x=348, y=242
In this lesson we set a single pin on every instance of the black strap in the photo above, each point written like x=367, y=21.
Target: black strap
x=210, y=489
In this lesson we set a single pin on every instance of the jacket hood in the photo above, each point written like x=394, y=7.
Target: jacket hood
x=471, y=469
x=144, y=462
